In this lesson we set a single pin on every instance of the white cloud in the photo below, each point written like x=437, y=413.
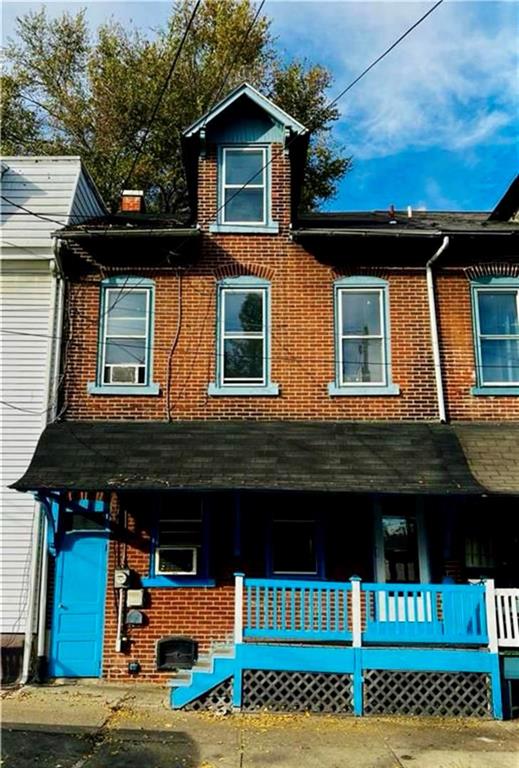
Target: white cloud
x=452, y=83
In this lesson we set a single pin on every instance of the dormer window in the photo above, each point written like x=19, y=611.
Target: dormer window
x=244, y=185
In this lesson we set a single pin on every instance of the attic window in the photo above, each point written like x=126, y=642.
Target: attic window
x=243, y=198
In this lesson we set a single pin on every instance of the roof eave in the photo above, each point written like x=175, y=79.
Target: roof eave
x=248, y=90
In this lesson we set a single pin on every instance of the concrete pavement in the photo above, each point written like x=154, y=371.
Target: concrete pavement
x=95, y=725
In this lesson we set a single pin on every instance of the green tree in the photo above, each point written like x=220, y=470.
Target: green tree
x=71, y=91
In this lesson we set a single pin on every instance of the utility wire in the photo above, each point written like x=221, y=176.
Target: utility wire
x=383, y=55
x=237, y=54
x=162, y=92
x=336, y=99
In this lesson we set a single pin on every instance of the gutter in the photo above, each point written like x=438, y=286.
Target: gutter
x=434, y=330
x=90, y=234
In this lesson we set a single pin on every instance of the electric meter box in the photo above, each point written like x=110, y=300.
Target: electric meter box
x=121, y=577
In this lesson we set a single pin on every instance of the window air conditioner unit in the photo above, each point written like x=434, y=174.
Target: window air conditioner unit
x=176, y=561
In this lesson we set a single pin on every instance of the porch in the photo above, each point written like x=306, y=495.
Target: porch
x=359, y=648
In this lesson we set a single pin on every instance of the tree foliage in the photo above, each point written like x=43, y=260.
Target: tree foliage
x=70, y=91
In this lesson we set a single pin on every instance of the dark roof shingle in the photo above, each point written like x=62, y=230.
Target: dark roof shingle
x=255, y=455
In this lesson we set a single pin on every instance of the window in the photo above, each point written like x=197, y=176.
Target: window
x=400, y=548
x=244, y=190
x=242, y=356
x=362, y=347
x=125, y=337
x=496, y=326
x=295, y=545
x=244, y=187
x=179, y=539
x=180, y=543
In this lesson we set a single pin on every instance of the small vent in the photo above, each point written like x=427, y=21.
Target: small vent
x=176, y=653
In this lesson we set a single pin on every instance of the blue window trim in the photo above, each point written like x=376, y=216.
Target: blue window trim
x=269, y=226
x=336, y=388
x=218, y=388
x=98, y=387
x=200, y=580
x=493, y=389
x=319, y=554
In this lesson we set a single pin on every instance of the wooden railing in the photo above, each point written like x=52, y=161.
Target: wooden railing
x=357, y=613
x=507, y=616
x=447, y=614
x=297, y=610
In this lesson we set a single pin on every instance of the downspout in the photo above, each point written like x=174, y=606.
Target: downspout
x=435, y=339
x=39, y=557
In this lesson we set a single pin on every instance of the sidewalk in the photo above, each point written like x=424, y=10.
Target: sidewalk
x=92, y=725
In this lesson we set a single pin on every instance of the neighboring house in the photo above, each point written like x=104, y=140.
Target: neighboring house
x=38, y=195
x=327, y=404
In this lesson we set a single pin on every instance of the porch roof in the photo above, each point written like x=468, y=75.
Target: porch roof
x=276, y=455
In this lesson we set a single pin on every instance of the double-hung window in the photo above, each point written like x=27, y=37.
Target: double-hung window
x=125, y=337
x=244, y=187
x=362, y=349
x=496, y=330
x=243, y=343
x=244, y=190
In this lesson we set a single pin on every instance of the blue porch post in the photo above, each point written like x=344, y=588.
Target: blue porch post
x=497, y=691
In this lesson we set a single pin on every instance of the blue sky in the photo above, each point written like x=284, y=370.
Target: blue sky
x=434, y=125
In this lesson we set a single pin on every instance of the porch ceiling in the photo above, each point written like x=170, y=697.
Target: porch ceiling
x=307, y=456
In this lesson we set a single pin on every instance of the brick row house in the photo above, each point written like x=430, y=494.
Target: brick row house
x=286, y=474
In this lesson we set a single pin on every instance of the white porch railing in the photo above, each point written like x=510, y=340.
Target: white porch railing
x=507, y=615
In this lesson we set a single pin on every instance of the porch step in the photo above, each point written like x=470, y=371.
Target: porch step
x=188, y=685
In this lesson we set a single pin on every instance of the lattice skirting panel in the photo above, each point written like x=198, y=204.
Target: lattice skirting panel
x=218, y=699
x=296, y=691
x=452, y=694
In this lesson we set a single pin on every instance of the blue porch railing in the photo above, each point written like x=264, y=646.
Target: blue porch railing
x=358, y=614
x=297, y=610
x=447, y=614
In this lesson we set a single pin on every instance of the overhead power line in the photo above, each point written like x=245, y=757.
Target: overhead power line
x=337, y=98
x=162, y=92
x=237, y=54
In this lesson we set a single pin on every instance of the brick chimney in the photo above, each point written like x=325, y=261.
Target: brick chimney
x=132, y=201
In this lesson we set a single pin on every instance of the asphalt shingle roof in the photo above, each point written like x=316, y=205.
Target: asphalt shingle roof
x=255, y=455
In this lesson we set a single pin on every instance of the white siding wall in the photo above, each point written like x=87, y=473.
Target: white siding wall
x=55, y=188
x=25, y=298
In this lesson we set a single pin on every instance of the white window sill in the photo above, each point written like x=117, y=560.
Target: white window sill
x=269, y=390
x=272, y=228
x=360, y=391
x=117, y=389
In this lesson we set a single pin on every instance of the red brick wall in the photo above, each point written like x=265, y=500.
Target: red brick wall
x=302, y=345
x=455, y=322
x=203, y=613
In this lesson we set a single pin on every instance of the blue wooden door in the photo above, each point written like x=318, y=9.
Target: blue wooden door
x=79, y=598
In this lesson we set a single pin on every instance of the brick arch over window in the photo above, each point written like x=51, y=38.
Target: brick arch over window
x=239, y=270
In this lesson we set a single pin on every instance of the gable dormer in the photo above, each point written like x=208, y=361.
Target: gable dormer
x=245, y=163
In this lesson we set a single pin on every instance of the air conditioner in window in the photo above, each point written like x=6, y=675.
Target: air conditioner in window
x=176, y=561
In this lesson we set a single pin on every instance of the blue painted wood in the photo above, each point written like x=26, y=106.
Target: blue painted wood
x=203, y=681
x=425, y=613
x=497, y=691
x=358, y=703
x=427, y=659
x=294, y=658
x=78, y=609
x=511, y=667
x=293, y=609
